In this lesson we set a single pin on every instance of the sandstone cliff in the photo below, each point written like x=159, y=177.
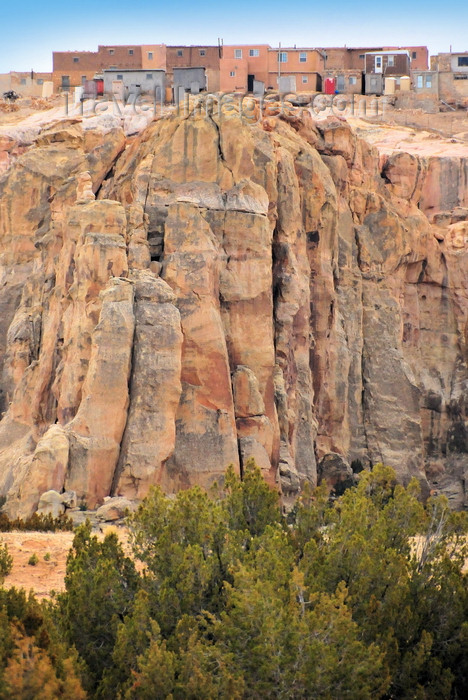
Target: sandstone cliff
x=212, y=290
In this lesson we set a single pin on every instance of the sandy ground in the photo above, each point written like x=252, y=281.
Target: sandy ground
x=47, y=575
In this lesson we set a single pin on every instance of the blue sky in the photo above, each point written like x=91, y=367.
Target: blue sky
x=33, y=29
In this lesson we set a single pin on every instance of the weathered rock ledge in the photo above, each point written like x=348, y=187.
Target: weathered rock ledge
x=212, y=290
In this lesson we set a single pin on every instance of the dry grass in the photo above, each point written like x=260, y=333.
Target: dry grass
x=8, y=107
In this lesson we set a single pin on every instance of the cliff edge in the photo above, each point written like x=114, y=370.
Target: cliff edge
x=212, y=290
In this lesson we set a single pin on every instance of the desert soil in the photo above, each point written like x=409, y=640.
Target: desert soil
x=45, y=576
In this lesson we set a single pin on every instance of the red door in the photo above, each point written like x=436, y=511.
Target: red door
x=329, y=86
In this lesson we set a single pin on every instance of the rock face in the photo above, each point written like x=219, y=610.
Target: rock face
x=216, y=290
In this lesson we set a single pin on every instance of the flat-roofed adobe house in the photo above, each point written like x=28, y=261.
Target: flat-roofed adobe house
x=206, y=57
x=379, y=65
x=425, y=82
x=244, y=66
x=26, y=84
x=134, y=81
x=452, y=69
x=191, y=79
x=343, y=82
x=295, y=69
x=258, y=67
x=73, y=68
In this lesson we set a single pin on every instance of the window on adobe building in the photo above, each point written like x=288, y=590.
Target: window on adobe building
x=83, y=79
x=254, y=52
x=232, y=74
x=202, y=52
x=428, y=81
x=40, y=81
x=111, y=51
x=361, y=55
x=352, y=80
x=237, y=53
x=302, y=57
x=149, y=76
x=76, y=59
x=282, y=57
x=414, y=54
x=419, y=81
x=305, y=79
x=119, y=76
x=391, y=61
x=150, y=55
x=130, y=52
x=180, y=52
x=23, y=81
x=463, y=61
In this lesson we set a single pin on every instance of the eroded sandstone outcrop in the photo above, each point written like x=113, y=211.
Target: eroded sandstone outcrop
x=215, y=290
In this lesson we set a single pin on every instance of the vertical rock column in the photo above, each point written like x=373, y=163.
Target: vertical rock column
x=96, y=431
x=155, y=388
x=205, y=427
x=246, y=293
x=293, y=377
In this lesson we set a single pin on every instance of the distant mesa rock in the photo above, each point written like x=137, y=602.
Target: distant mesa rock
x=212, y=290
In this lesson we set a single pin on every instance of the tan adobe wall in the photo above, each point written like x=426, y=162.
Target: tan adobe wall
x=76, y=77
x=351, y=87
x=192, y=57
x=23, y=84
x=419, y=56
x=441, y=62
x=153, y=56
x=27, y=86
x=86, y=63
x=238, y=81
x=212, y=80
x=353, y=58
x=452, y=89
x=313, y=61
x=256, y=65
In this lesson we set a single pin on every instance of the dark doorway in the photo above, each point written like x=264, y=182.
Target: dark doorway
x=250, y=83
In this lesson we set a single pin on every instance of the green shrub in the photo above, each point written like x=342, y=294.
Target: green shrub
x=37, y=522
x=33, y=560
x=6, y=562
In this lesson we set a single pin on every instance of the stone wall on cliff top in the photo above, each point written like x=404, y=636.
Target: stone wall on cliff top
x=213, y=290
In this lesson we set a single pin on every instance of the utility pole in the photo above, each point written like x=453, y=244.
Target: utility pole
x=279, y=63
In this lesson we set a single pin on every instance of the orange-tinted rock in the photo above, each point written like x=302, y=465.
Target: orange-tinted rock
x=155, y=388
x=229, y=290
x=206, y=440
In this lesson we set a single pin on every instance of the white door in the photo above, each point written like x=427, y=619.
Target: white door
x=378, y=64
